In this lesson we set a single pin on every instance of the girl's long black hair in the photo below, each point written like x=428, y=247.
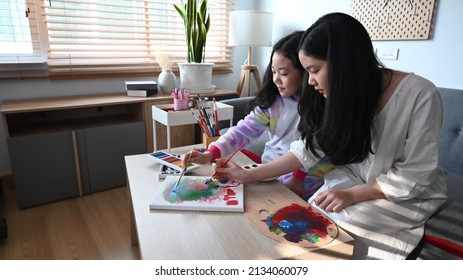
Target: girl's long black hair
x=287, y=47
x=341, y=123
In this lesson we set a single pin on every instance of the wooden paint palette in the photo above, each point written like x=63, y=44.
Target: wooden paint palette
x=298, y=224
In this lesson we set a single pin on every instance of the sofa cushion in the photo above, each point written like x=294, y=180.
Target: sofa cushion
x=452, y=131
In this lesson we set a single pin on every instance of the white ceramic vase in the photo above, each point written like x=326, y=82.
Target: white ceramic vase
x=196, y=77
x=167, y=81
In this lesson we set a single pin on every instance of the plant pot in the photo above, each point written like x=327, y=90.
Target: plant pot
x=196, y=77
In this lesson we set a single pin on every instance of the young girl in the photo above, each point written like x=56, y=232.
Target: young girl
x=273, y=111
x=380, y=127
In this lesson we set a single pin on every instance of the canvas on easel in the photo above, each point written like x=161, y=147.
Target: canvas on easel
x=192, y=193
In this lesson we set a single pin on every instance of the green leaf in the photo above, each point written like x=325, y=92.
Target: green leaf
x=197, y=23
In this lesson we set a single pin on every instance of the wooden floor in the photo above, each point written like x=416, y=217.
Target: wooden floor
x=91, y=227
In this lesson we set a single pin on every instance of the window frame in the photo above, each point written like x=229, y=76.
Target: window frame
x=43, y=66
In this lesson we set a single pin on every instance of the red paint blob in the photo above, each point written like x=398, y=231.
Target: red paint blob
x=232, y=202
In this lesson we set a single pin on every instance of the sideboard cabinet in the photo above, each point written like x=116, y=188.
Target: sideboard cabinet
x=63, y=147
x=66, y=147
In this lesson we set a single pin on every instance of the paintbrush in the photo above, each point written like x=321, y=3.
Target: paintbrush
x=181, y=174
x=225, y=162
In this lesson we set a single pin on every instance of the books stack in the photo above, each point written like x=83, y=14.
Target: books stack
x=141, y=88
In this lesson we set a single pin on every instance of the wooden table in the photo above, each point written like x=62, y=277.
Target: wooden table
x=196, y=235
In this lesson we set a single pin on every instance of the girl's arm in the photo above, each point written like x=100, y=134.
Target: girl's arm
x=334, y=200
x=282, y=165
x=251, y=127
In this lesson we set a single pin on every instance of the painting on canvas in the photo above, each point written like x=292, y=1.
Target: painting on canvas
x=192, y=193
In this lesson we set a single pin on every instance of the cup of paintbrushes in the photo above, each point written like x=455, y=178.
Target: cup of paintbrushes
x=209, y=139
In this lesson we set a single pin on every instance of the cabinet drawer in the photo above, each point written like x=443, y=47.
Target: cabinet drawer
x=102, y=151
x=43, y=168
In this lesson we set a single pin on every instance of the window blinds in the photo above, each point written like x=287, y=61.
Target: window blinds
x=88, y=37
x=91, y=38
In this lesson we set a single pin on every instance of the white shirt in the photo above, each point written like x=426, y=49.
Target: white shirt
x=406, y=144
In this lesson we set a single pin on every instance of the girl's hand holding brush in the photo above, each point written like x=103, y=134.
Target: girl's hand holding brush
x=232, y=171
x=197, y=157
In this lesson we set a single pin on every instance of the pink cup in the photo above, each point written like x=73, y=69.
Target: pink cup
x=181, y=104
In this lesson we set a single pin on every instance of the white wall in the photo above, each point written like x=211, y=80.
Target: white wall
x=439, y=59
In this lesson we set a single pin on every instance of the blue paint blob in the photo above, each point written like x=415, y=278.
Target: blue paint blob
x=285, y=224
x=223, y=180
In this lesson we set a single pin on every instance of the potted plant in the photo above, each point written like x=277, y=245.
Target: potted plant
x=196, y=75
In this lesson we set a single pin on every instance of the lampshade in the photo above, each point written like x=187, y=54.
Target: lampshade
x=250, y=28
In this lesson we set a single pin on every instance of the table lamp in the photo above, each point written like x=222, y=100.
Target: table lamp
x=252, y=29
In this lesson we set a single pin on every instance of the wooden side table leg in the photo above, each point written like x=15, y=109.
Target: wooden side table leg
x=255, y=72
x=248, y=81
x=239, y=88
x=168, y=138
x=133, y=227
x=155, y=141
